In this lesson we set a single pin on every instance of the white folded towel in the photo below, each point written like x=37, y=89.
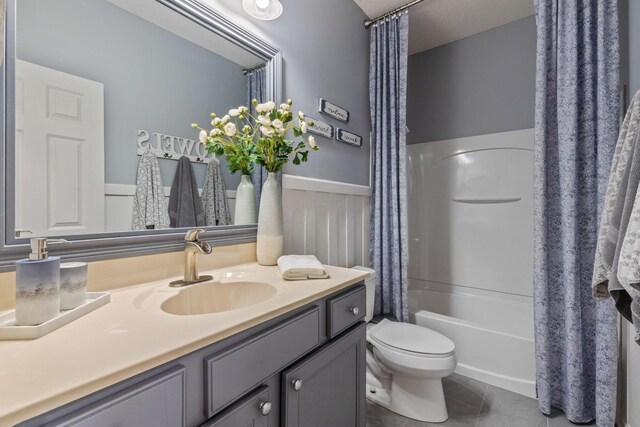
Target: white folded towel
x=301, y=267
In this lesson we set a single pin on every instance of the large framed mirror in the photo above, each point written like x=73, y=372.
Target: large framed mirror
x=98, y=148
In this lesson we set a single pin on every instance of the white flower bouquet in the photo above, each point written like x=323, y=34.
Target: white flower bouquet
x=247, y=139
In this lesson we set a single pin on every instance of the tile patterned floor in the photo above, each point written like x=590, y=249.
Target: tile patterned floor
x=473, y=403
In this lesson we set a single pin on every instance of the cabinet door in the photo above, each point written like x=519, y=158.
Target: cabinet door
x=252, y=411
x=156, y=402
x=327, y=388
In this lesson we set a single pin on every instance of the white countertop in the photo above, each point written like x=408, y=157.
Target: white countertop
x=132, y=334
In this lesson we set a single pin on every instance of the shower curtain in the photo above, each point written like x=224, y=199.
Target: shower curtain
x=577, y=118
x=387, y=96
x=256, y=89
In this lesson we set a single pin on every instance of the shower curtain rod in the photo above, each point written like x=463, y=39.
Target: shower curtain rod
x=369, y=22
x=246, y=71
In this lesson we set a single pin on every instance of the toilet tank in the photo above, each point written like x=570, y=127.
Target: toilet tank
x=370, y=284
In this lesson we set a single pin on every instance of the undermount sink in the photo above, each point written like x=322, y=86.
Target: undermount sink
x=217, y=297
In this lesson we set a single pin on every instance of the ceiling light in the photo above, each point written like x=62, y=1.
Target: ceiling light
x=263, y=9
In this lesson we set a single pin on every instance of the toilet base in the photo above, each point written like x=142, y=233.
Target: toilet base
x=420, y=399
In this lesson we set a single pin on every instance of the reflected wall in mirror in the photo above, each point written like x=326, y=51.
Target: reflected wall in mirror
x=105, y=94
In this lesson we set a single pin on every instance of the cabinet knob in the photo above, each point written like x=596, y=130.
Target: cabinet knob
x=354, y=310
x=265, y=408
x=297, y=384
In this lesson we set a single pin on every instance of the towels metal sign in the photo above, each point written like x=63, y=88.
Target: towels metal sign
x=332, y=110
x=349, y=137
x=172, y=147
x=320, y=128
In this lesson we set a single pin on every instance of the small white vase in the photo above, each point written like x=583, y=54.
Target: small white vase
x=270, y=243
x=246, y=212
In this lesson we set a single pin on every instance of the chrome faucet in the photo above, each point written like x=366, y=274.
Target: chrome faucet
x=192, y=247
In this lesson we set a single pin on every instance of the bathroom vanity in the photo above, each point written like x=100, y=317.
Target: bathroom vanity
x=247, y=348
x=301, y=363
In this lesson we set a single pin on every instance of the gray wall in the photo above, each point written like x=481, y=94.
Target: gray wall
x=481, y=84
x=152, y=79
x=630, y=55
x=326, y=54
x=633, y=46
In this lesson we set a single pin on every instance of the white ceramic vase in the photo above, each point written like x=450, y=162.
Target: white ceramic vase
x=246, y=212
x=270, y=241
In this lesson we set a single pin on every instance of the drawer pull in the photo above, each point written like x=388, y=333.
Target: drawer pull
x=354, y=310
x=265, y=408
x=297, y=384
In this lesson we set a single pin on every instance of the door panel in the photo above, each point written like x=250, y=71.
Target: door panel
x=330, y=391
x=156, y=402
x=59, y=152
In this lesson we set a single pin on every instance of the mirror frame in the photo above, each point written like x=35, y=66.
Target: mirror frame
x=93, y=247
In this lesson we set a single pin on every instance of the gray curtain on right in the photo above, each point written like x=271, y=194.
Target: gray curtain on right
x=576, y=128
x=387, y=96
x=257, y=89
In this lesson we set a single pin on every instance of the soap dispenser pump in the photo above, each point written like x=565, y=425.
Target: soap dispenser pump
x=38, y=284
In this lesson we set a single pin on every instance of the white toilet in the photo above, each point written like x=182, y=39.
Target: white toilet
x=406, y=364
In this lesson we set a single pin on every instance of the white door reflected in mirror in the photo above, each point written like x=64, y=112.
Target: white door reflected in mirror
x=59, y=152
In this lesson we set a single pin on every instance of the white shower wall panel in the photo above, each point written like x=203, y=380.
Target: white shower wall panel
x=470, y=211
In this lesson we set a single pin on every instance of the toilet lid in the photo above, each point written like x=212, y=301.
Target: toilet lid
x=413, y=338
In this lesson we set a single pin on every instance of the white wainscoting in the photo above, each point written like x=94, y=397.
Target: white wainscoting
x=327, y=219
x=119, y=205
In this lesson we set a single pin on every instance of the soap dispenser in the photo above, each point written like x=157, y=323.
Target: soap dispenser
x=38, y=284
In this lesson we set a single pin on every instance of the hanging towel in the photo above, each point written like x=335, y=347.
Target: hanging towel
x=149, y=207
x=185, y=206
x=301, y=267
x=214, y=196
x=617, y=264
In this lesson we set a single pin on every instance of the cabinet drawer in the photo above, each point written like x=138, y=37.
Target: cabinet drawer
x=232, y=372
x=249, y=411
x=156, y=402
x=345, y=310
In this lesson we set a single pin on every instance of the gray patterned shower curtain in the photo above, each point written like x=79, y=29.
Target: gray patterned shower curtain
x=387, y=95
x=577, y=116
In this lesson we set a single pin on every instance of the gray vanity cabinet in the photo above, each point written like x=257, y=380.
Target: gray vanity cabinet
x=328, y=387
x=252, y=410
x=232, y=372
x=305, y=368
x=158, y=401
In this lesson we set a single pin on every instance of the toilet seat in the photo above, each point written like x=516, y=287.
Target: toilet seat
x=413, y=339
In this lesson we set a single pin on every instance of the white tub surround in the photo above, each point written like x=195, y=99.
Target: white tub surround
x=40, y=375
x=471, y=251
x=488, y=348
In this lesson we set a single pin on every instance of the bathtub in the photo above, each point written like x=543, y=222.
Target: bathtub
x=493, y=332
